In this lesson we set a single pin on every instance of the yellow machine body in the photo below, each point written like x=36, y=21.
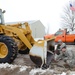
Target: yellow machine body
x=18, y=37
x=22, y=36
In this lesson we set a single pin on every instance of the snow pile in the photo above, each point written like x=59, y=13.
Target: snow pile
x=6, y=65
x=23, y=68
x=63, y=73
x=39, y=71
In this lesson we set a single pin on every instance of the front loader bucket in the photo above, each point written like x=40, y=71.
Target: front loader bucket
x=42, y=53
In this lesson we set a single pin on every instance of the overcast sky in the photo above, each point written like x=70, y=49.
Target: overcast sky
x=47, y=11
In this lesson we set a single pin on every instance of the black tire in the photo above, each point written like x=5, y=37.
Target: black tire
x=26, y=51
x=12, y=49
x=74, y=42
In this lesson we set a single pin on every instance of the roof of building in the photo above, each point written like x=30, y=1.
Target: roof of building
x=30, y=22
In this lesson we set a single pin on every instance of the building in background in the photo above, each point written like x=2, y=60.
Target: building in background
x=38, y=29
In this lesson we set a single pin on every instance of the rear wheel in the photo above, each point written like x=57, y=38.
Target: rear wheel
x=8, y=49
x=26, y=51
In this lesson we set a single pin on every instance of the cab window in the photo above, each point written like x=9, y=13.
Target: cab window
x=58, y=33
x=0, y=19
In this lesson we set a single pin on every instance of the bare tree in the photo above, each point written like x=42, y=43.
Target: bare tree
x=67, y=18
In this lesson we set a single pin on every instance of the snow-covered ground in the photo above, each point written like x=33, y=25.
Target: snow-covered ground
x=22, y=65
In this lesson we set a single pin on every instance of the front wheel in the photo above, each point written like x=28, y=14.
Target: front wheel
x=8, y=49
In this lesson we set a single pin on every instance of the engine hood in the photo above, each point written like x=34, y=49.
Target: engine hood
x=48, y=36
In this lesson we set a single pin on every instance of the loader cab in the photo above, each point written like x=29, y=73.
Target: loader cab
x=0, y=19
x=1, y=16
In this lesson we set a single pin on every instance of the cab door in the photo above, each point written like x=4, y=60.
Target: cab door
x=60, y=35
x=70, y=38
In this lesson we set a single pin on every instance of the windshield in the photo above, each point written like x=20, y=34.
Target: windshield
x=58, y=33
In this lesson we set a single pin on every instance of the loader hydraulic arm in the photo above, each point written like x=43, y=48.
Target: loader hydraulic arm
x=19, y=33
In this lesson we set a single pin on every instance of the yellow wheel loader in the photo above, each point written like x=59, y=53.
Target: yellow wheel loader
x=17, y=38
